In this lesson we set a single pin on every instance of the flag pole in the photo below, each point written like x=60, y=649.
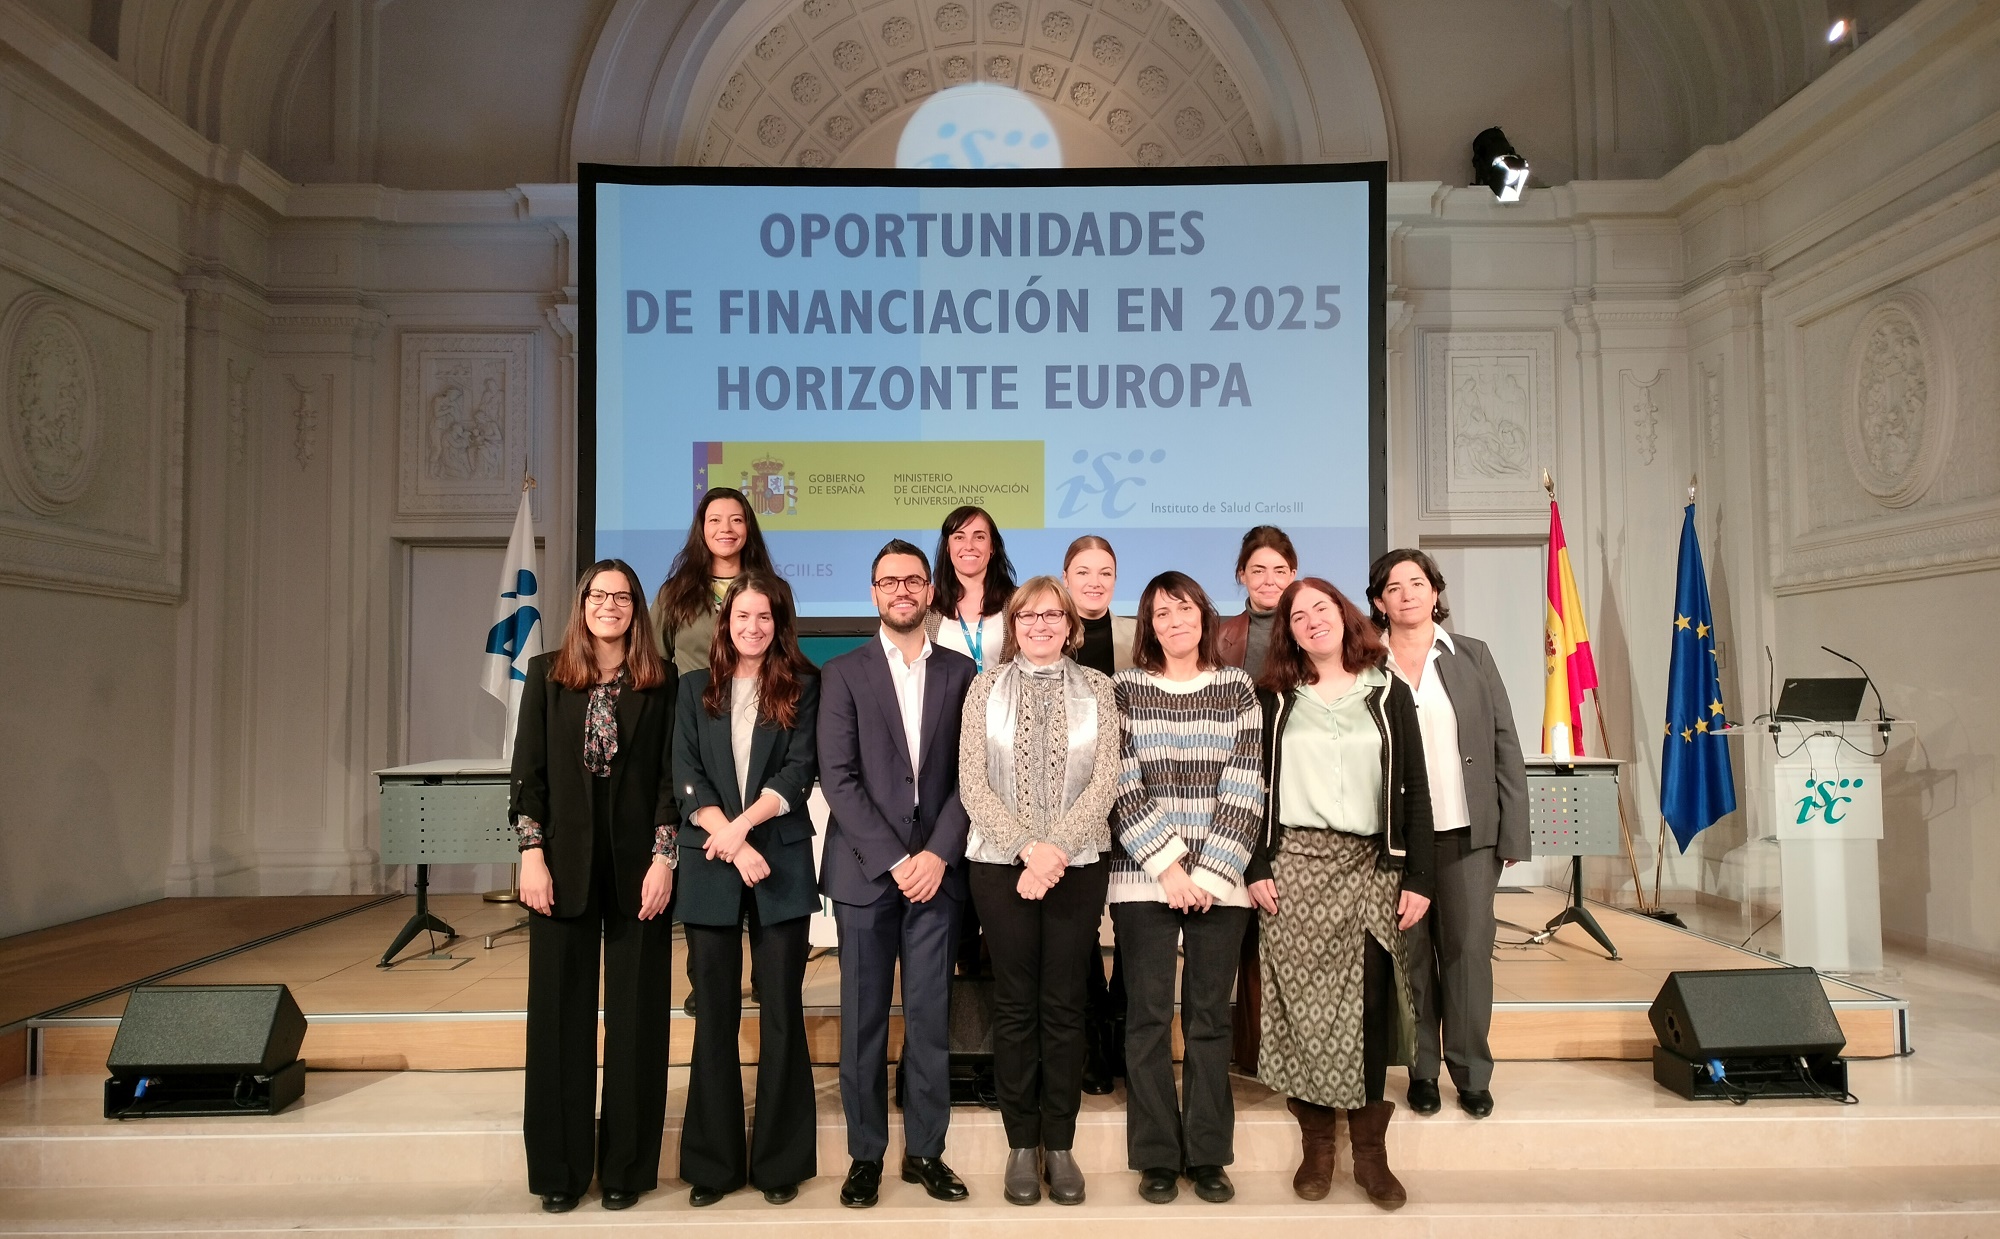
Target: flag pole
x=511, y=893
x=1660, y=854
x=1604, y=742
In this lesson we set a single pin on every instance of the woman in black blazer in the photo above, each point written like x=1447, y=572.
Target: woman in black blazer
x=593, y=804
x=744, y=762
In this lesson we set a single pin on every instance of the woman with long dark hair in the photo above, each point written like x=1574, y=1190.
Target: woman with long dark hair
x=1348, y=850
x=1038, y=767
x=593, y=805
x=1479, y=813
x=744, y=762
x=723, y=542
x=974, y=580
x=1189, y=815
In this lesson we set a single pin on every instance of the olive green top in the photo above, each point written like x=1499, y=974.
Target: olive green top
x=688, y=646
x=1332, y=774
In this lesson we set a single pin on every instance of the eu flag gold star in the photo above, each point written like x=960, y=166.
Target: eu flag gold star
x=1666, y=729
x=1701, y=725
x=1715, y=707
x=1701, y=630
x=1687, y=733
x=1680, y=621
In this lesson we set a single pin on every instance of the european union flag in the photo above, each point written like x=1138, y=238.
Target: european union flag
x=1696, y=786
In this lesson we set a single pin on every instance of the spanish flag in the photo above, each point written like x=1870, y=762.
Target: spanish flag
x=1570, y=670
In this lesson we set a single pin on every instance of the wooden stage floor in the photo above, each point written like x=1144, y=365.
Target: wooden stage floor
x=1560, y=1000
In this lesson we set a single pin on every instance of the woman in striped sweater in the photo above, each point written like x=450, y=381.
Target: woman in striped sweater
x=1189, y=814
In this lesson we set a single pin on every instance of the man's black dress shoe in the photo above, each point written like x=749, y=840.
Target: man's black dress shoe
x=863, y=1186
x=619, y=1200
x=1159, y=1186
x=558, y=1202
x=781, y=1195
x=1211, y=1183
x=1475, y=1101
x=1424, y=1097
x=702, y=1197
x=938, y=1180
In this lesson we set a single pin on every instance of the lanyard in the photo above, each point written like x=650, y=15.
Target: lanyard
x=975, y=645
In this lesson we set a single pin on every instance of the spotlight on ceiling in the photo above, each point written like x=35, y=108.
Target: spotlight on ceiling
x=1838, y=31
x=1496, y=165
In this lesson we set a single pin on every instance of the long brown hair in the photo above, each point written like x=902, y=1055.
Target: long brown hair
x=1146, y=652
x=688, y=593
x=575, y=666
x=784, y=664
x=1287, y=666
x=999, y=569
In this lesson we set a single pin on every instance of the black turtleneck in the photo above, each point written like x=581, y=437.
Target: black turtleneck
x=1098, y=652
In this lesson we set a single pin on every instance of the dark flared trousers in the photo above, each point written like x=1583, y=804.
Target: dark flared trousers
x=1040, y=949
x=1197, y=1127
x=783, y=1147
x=560, y=1122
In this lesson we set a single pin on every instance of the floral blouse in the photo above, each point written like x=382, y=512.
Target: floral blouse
x=600, y=749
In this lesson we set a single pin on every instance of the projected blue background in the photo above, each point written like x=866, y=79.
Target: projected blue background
x=1179, y=362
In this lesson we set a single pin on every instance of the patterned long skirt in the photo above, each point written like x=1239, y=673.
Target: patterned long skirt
x=1333, y=889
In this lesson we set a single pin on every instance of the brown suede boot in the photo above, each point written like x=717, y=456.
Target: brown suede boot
x=1317, y=1132
x=1368, y=1127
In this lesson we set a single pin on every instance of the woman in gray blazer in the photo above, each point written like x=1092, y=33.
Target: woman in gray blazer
x=1479, y=815
x=744, y=761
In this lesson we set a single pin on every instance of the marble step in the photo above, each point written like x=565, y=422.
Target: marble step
x=464, y=1128
x=1476, y=1204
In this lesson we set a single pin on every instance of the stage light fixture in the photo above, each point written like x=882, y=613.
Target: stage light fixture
x=1838, y=31
x=1496, y=165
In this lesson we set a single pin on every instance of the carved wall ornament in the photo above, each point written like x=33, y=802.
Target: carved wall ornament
x=1057, y=26
x=773, y=43
x=1638, y=398
x=1189, y=123
x=1121, y=122
x=1898, y=423
x=1004, y=17
x=465, y=410
x=1487, y=404
x=1711, y=404
x=812, y=157
x=1151, y=154
x=953, y=19
x=1083, y=95
x=306, y=414
x=806, y=90
x=1153, y=81
x=1225, y=85
x=957, y=69
x=1107, y=50
x=237, y=385
x=1000, y=66
x=847, y=56
x=1044, y=77
x=51, y=405
x=897, y=31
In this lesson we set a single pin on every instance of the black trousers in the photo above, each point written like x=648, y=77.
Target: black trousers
x=560, y=1123
x=874, y=938
x=1040, y=948
x=1451, y=965
x=1198, y=1127
x=1378, y=1016
x=783, y=1148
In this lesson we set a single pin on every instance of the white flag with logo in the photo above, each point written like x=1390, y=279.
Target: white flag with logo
x=516, y=635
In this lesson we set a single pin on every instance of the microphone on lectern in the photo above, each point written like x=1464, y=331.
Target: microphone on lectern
x=1882, y=719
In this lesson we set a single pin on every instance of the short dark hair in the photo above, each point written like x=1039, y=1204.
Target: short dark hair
x=897, y=546
x=1266, y=537
x=1146, y=652
x=1378, y=580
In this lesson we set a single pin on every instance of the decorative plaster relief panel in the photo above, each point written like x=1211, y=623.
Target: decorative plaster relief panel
x=1640, y=400
x=1887, y=429
x=465, y=412
x=1487, y=402
x=90, y=438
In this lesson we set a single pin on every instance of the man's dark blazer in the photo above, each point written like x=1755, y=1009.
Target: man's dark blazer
x=1489, y=751
x=551, y=786
x=710, y=892
x=864, y=770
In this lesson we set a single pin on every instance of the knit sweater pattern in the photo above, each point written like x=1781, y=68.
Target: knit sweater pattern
x=1190, y=783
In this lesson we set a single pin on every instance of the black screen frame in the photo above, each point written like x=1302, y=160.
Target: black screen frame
x=1375, y=173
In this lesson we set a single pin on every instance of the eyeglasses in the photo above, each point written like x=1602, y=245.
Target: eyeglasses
x=599, y=597
x=902, y=584
x=1028, y=619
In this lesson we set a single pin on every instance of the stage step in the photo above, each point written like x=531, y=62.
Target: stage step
x=1476, y=1204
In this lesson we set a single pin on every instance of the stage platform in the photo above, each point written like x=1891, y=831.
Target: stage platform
x=1563, y=999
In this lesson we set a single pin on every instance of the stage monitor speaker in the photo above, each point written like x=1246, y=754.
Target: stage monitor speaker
x=206, y=1049
x=1746, y=1013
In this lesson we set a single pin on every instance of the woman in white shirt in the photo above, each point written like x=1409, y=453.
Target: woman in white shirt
x=1479, y=813
x=974, y=580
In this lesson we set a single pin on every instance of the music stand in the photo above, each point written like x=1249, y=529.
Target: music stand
x=1573, y=811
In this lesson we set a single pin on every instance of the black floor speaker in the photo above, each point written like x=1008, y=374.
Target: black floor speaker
x=1740, y=1033
x=206, y=1049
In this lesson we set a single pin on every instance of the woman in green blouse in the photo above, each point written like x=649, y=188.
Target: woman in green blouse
x=1345, y=868
x=723, y=542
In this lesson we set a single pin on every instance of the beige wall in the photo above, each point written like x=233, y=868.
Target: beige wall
x=86, y=754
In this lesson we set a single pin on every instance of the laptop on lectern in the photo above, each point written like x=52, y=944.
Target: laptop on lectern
x=1831, y=700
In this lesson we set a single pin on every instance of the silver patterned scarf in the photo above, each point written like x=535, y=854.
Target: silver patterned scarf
x=1003, y=716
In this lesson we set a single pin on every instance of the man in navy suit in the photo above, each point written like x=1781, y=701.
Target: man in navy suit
x=894, y=865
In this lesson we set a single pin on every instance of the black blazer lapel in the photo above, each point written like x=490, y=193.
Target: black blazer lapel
x=882, y=686
x=1462, y=684
x=763, y=741
x=719, y=756
x=935, y=692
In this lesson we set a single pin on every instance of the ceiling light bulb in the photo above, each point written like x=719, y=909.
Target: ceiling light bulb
x=1837, y=31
